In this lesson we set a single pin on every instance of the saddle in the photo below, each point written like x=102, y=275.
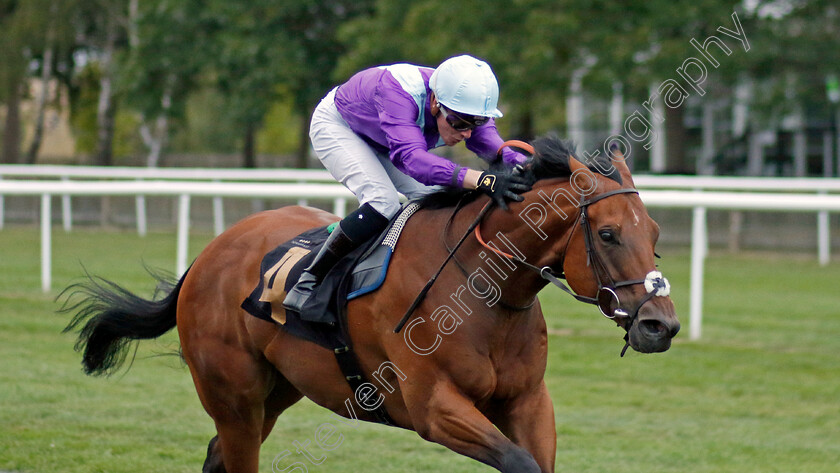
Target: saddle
x=361, y=272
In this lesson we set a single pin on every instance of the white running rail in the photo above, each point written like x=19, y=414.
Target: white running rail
x=697, y=200
x=302, y=176
x=64, y=173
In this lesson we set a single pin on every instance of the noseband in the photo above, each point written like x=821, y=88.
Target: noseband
x=606, y=298
x=654, y=283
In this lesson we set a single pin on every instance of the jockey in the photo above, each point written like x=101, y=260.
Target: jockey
x=373, y=134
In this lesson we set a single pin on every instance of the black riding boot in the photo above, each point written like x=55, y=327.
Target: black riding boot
x=351, y=232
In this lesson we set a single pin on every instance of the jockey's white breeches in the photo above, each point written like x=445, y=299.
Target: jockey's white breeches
x=371, y=176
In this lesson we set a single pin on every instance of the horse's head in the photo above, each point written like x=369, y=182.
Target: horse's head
x=607, y=249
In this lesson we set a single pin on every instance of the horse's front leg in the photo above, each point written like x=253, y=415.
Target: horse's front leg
x=443, y=415
x=528, y=420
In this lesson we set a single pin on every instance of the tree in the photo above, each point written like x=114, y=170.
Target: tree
x=31, y=33
x=537, y=47
x=167, y=45
x=57, y=33
x=534, y=46
x=101, y=26
x=795, y=51
x=429, y=32
x=642, y=44
x=262, y=44
x=313, y=54
x=15, y=20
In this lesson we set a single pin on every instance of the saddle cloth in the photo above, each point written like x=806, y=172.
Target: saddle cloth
x=360, y=272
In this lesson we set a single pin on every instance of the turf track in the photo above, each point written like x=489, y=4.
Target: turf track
x=759, y=393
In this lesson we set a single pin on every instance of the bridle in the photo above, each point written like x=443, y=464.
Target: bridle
x=606, y=297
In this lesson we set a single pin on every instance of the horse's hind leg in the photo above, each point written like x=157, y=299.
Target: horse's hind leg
x=232, y=392
x=242, y=426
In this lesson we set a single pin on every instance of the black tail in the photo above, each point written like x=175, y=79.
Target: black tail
x=114, y=317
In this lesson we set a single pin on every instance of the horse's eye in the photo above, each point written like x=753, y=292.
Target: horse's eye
x=607, y=236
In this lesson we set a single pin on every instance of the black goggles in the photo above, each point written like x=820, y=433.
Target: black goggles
x=462, y=122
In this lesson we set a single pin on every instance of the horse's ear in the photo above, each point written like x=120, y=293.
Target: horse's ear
x=618, y=160
x=575, y=165
x=585, y=182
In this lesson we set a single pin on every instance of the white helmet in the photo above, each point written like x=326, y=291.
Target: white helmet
x=466, y=85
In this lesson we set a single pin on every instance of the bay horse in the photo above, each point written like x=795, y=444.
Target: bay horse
x=467, y=369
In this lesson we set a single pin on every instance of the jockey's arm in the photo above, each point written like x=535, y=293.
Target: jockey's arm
x=408, y=147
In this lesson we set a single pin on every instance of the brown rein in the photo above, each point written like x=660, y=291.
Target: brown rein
x=422, y=295
x=593, y=259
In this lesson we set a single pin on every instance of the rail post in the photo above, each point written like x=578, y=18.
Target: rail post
x=183, y=234
x=46, y=242
x=823, y=236
x=2, y=206
x=66, y=210
x=140, y=213
x=340, y=207
x=218, y=215
x=698, y=255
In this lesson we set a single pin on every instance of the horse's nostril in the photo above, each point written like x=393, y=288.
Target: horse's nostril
x=654, y=328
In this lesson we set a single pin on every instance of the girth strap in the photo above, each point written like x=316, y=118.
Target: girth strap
x=352, y=371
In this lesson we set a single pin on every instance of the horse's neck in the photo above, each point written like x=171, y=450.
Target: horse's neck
x=540, y=225
x=509, y=232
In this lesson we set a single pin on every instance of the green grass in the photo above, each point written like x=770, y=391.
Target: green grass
x=759, y=393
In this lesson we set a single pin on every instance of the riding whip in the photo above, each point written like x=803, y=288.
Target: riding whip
x=431, y=282
x=518, y=169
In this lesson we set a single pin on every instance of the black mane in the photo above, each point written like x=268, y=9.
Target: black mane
x=447, y=197
x=550, y=160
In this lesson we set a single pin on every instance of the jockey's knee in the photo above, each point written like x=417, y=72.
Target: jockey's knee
x=363, y=223
x=386, y=207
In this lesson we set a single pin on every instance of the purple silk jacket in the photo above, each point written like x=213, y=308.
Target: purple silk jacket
x=383, y=106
